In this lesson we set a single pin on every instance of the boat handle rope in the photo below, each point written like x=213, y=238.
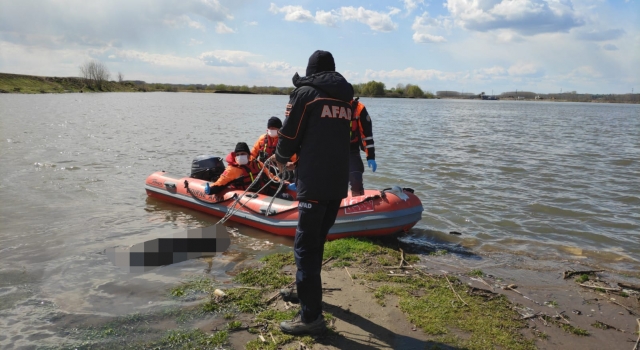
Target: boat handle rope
x=186, y=186
x=282, y=178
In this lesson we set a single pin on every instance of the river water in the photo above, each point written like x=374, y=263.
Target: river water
x=553, y=180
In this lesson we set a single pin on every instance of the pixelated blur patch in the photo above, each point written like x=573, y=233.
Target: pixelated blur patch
x=192, y=244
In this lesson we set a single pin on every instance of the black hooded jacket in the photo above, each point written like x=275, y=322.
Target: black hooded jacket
x=317, y=129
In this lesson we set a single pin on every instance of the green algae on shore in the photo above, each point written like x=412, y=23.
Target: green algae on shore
x=428, y=303
x=448, y=311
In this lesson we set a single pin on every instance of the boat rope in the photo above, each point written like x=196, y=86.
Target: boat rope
x=282, y=177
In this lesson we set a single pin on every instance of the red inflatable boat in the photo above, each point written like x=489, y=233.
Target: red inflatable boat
x=373, y=214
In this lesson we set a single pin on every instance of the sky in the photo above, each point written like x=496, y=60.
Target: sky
x=545, y=46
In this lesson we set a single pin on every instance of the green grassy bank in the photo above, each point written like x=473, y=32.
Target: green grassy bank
x=448, y=311
x=29, y=84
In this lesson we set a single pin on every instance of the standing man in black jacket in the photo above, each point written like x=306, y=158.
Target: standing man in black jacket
x=317, y=129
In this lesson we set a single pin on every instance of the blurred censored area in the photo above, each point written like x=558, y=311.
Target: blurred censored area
x=193, y=244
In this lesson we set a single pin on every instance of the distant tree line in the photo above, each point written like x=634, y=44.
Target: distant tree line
x=456, y=94
x=95, y=75
x=265, y=90
x=571, y=96
x=370, y=89
x=378, y=89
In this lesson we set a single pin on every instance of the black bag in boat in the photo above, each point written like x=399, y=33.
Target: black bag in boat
x=207, y=167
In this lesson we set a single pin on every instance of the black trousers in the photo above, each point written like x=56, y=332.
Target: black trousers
x=356, y=168
x=314, y=221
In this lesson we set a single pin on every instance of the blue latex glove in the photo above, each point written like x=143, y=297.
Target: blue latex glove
x=372, y=165
x=207, y=189
x=292, y=187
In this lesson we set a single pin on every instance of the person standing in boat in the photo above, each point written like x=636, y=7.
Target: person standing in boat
x=361, y=139
x=316, y=128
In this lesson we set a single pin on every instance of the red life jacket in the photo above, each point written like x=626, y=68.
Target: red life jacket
x=356, y=131
x=269, y=148
x=249, y=173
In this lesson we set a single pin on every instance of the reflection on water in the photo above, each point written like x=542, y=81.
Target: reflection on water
x=552, y=180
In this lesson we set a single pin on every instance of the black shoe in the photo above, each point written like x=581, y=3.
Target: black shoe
x=296, y=326
x=290, y=295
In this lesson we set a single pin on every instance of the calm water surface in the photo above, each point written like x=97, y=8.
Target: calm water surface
x=555, y=180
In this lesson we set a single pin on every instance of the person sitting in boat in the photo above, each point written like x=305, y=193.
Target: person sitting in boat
x=266, y=144
x=241, y=172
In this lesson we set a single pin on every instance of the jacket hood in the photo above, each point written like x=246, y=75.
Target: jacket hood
x=332, y=83
x=320, y=61
x=231, y=159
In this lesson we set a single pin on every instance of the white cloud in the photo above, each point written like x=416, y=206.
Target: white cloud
x=237, y=65
x=508, y=36
x=293, y=13
x=584, y=72
x=108, y=21
x=482, y=43
x=523, y=69
x=276, y=66
x=495, y=70
x=426, y=21
x=326, y=18
x=427, y=38
x=183, y=20
x=423, y=26
x=209, y=9
x=377, y=21
x=226, y=58
x=352, y=76
x=394, y=11
x=410, y=5
x=40, y=60
x=412, y=74
x=527, y=17
x=164, y=60
x=222, y=28
x=196, y=25
x=600, y=35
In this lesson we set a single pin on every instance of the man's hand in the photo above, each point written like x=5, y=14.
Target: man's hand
x=291, y=166
x=372, y=165
x=281, y=167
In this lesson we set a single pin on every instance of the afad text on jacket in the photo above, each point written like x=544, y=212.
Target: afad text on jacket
x=317, y=129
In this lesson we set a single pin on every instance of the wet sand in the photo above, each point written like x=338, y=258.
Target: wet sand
x=538, y=293
x=362, y=323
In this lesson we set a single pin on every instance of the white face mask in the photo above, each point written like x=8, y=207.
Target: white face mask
x=272, y=133
x=242, y=160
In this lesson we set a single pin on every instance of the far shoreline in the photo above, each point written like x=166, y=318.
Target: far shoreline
x=29, y=84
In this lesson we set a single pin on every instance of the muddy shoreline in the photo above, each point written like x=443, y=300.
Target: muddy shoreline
x=366, y=305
